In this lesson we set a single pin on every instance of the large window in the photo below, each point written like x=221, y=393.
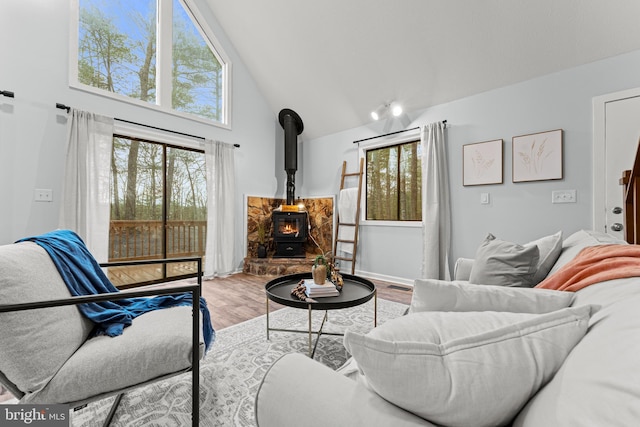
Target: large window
x=394, y=183
x=154, y=52
x=158, y=205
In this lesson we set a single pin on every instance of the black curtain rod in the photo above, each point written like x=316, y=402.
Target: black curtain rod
x=392, y=133
x=65, y=107
x=7, y=93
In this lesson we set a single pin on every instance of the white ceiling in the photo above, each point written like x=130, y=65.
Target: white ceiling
x=333, y=61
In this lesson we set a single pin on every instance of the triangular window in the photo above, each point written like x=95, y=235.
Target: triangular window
x=197, y=73
x=152, y=52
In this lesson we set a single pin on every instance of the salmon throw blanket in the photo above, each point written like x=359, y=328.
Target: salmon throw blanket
x=595, y=264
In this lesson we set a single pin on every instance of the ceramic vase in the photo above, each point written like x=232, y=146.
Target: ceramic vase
x=319, y=273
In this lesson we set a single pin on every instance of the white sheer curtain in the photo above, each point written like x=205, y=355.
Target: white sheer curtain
x=220, y=251
x=436, y=207
x=85, y=190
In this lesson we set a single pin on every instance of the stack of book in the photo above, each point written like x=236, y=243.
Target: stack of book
x=313, y=290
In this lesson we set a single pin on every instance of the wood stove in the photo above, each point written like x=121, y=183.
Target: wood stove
x=290, y=225
x=289, y=233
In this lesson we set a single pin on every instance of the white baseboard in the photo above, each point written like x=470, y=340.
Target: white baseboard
x=384, y=277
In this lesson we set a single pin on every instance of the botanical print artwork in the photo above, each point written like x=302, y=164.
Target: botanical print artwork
x=482, y=163
x=533, y=158
x=537, y=157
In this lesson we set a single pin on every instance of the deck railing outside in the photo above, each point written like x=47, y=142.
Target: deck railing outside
x=135, y=240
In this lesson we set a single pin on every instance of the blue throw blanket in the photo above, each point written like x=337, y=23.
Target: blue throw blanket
x=84, y=276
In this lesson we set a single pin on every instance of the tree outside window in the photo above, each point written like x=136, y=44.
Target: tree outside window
x=394, y=183
x=158, y=205
x=121, y=50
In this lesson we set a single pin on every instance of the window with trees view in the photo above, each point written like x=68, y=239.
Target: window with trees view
x=158, y=201
x=153, y=51
x=394, y=183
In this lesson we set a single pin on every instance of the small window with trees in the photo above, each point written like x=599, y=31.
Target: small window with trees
x=153, y=51
x=394, y=183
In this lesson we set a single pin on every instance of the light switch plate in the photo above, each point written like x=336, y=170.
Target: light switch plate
x=484, y=198
x=43, y=195
x=563, y=196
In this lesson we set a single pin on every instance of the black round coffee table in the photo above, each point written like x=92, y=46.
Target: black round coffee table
x=355, y=291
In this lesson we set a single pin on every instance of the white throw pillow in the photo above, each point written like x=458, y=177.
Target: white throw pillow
x=466, y=368
x=440, y=295
x=549, y=248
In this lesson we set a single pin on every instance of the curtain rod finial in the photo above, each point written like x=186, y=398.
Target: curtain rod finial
x=63, y=107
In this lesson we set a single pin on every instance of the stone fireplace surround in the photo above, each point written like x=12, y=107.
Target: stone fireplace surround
x=259, y=209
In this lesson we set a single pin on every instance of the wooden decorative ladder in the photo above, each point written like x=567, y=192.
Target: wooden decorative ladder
x=339, y=222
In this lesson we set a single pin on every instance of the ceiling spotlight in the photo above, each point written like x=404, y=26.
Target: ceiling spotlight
x=396, y=109
x=379, y=112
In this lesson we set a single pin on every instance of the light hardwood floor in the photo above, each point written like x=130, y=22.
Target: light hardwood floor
x=241, y=297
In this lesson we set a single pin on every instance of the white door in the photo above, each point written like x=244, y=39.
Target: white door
x=620, y=134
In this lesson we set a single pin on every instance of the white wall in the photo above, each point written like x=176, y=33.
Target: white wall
x=518, y=212
x=34, y=38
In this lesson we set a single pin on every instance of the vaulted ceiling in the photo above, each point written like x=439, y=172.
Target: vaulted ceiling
x=333, y=61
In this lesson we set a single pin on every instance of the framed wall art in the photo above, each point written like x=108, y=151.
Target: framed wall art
x=537, y=156
x=482, y=163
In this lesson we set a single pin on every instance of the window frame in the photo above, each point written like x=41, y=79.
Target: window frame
x=163, y=63
x=409, y=136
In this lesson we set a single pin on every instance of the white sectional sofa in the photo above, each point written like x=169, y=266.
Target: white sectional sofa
x=473, y=355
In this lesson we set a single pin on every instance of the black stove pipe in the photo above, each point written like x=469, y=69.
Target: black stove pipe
x=293, y=126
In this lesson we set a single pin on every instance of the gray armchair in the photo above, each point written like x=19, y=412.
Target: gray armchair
x=47, y=353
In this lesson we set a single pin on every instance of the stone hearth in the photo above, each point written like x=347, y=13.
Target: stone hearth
x=276, y=266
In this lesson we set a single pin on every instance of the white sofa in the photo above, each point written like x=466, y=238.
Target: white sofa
x=588, y=374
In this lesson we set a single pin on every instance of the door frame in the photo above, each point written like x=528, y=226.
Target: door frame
x=599, y=145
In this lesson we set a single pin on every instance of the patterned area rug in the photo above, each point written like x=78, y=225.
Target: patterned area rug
x=232, y=370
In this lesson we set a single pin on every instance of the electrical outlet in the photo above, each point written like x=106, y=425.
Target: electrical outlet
x=43, y=195
x=563, y=196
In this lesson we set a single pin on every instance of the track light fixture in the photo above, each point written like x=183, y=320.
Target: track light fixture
x=393, y=108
